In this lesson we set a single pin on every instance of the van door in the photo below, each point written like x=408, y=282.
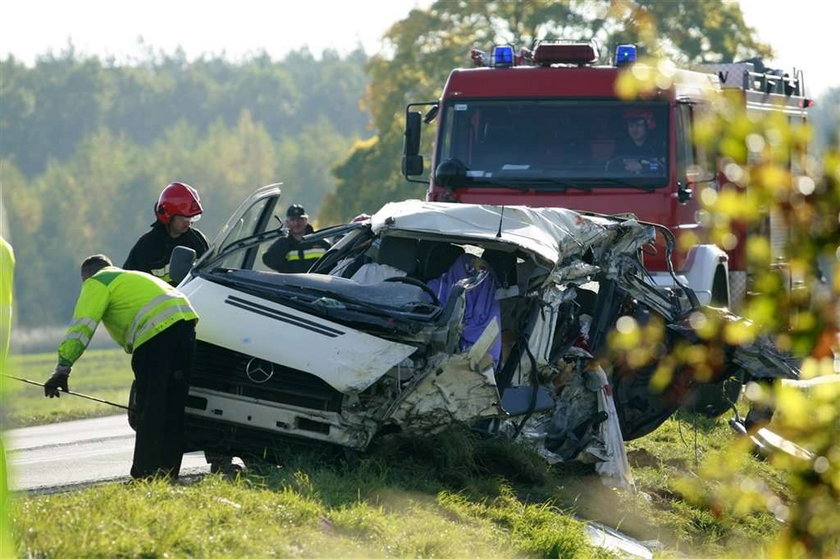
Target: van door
x=254, y=216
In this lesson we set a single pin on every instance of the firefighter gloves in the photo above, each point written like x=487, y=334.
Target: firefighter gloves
x=58, y=381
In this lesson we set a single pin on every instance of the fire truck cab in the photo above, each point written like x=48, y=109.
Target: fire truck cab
x=547, y=128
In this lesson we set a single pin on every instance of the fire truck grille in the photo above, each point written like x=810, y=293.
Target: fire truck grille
x=231, y=372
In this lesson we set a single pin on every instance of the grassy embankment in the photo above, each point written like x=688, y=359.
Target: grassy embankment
x=449, y=496
x=104, y=374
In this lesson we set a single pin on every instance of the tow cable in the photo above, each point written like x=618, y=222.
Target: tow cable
x=70, y=392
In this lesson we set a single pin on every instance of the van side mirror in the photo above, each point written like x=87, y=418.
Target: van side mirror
x=412, y=163
x=180, y=263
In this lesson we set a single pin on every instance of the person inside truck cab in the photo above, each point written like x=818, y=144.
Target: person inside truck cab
x=639, y=152
x=291, y=254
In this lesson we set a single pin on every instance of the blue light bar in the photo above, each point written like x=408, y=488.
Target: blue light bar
x=502, y=56
x=625, y=54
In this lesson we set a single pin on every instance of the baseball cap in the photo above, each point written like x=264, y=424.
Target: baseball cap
x=296, y=210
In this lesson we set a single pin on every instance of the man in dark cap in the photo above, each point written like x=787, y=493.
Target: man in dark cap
x=291, y=254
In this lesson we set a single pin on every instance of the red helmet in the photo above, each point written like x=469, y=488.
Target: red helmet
x=640, y=113
x=177, y=198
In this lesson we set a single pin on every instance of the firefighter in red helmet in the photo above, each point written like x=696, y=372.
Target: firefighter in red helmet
x=640, y=152
x=176, y=209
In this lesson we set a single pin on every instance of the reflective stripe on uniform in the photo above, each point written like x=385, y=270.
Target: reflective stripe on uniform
x=162, y=273
x=156, y=321
x=308, y=254
x=81, y=336
x=141, y=315
x=89, y=323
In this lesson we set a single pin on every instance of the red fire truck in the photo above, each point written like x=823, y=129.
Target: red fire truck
x=547, y=128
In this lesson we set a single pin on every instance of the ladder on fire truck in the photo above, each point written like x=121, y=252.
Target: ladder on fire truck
x=765, y=89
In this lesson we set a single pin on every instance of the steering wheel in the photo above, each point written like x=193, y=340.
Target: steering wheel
x=416, y=282
x=647, y=164
x=615, y=160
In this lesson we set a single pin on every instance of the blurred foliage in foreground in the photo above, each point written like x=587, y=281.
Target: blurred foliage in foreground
x=794, y=299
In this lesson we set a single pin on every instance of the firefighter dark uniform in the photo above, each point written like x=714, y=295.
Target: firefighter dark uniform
x=293, y=256
x=152, y=251
x=156, y=324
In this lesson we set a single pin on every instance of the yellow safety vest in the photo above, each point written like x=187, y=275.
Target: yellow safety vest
x=7, y=272
x=134, y=306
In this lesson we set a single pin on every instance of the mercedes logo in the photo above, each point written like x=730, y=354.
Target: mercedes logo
x=259, y=371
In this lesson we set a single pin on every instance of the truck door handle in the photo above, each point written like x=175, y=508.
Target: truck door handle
x=684, y=193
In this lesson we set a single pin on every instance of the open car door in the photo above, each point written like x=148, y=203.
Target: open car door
x=254, y=216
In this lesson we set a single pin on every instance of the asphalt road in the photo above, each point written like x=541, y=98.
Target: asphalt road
x=62, y=456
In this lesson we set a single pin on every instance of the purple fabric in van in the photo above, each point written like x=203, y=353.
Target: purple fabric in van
x=481, y=304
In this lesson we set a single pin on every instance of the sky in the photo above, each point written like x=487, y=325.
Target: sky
x=798, y=30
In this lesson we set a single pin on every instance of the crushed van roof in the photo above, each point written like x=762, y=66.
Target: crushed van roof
x=553, y=233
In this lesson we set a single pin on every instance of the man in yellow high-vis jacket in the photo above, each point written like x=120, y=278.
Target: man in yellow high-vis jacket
x=7, y=269
x=156, y=324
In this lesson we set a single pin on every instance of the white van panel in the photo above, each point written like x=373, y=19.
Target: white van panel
x=345, y=358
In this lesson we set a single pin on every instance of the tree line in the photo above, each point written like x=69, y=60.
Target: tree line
x=86, y=147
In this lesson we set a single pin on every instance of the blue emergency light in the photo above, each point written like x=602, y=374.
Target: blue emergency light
x=625, y=54
x=502, y=55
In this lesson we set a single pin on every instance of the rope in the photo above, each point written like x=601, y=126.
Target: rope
x=79, y=394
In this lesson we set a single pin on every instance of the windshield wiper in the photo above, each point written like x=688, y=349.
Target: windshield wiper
x=618, y=182
x=564, y=184
x=529, y=183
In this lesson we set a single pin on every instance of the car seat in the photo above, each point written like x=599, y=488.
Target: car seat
x=503, y=265
x=397, y=256
x=398, y=252
x=434, y=258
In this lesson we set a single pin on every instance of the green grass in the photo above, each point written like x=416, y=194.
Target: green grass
x=684, y=450
x=452, y=495
x=105, y=374
x=309, y=507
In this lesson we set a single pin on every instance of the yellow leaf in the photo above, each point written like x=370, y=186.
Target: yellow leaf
x=738, y=333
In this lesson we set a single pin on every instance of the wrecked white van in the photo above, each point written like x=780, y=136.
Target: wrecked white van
x=431, y=314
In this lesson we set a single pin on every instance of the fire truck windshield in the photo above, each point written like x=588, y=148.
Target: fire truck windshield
x=591, y=144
